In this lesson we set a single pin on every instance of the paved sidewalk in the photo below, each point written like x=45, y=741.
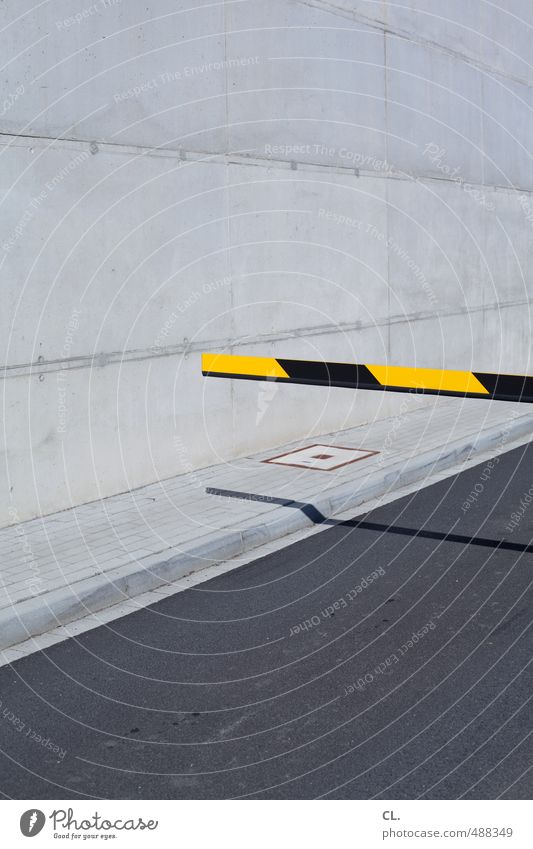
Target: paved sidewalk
x=62, y=567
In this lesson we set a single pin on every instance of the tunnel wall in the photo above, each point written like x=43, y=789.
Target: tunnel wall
x=349, y=181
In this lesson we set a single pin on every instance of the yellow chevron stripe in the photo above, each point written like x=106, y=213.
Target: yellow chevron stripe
x=235, y=364
x=428, y=378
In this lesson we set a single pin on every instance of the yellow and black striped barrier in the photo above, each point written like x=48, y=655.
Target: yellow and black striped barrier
x=467, y=384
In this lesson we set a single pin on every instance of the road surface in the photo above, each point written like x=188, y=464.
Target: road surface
x=366, y=661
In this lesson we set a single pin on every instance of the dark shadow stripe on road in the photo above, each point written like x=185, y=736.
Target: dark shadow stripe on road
x=318, y=518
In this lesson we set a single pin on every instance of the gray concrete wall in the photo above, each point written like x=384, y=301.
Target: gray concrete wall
x=347, y=180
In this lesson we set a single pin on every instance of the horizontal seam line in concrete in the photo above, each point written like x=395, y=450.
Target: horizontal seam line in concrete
x=200, y=157
x=141, y=354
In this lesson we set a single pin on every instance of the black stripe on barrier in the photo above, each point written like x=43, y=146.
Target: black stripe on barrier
x=330, y=374
x=336, y=378
x=507, y=387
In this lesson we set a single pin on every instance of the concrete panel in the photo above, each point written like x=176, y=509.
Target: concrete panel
x=301, y=255
x=508, y=247
x=132, y=242
x=454, y=25
x=495, y=35
x=507, y=30
x=117, y=71
x=507, y=340
x=497, y=340
x=433, y=111
x=125, y=425
x=451, y=341
x=508, y=132
x=443, y=240
x=316, y=93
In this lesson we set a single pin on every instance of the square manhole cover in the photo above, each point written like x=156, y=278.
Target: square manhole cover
x=324, y=458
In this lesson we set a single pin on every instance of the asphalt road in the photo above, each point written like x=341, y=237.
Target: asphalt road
x=410, y=680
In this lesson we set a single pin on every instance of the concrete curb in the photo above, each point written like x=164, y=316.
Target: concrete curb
x=59, y=607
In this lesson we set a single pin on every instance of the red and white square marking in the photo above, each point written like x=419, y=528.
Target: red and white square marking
x=324, y=458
